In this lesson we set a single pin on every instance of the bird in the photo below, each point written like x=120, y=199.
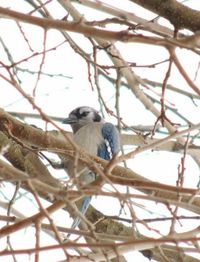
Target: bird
x=96, y=136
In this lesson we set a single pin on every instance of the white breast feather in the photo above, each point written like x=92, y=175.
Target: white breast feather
x=89, y=137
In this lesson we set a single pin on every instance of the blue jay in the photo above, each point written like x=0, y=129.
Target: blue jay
x=95, y=136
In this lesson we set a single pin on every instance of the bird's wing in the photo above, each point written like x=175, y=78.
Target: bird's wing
x=111, y=145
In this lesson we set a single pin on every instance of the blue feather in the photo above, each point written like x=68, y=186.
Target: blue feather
x=110, y=134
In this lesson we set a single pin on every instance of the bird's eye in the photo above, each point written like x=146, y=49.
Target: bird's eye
x=85, y=113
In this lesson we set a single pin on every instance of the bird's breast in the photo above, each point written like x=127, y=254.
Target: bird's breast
x=89, y=137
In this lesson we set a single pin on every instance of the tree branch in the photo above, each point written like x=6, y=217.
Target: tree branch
x=182, y=17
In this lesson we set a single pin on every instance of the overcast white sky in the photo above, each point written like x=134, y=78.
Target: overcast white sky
x=57, y=96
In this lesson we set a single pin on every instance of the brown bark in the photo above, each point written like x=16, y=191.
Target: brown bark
x=179, y=15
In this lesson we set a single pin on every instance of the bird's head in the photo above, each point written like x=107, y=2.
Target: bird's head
x=82, y=116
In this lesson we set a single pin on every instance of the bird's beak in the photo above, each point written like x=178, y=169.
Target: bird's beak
x=69, y=121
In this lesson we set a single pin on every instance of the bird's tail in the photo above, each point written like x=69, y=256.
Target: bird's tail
x=83, y=209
